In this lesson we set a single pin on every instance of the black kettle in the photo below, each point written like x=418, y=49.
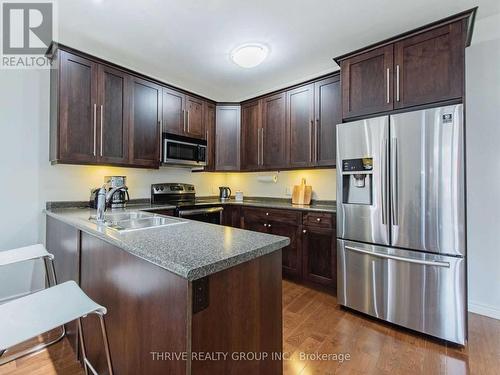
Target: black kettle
x=224, y=192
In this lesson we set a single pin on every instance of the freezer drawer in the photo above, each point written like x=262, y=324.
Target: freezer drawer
x=423, y=292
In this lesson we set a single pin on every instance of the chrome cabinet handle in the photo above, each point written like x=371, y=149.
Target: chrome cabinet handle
x=267, y=213
x=265, y=225
x=184, y=120
x=258, y=146
x=262, y=147
x=187, y=114
x=304, y=231
x=101, y=141
x=269, y=225
x=316, y=141
x=387, y=84
x=397, y=83
x=394, y=186
x=402, y=259
x=160, y=123
x=384, y=182
x=311, y=141
x=318, y=219
x=95, y=128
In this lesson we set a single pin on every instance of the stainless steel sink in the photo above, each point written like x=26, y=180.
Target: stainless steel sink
x=130, y=221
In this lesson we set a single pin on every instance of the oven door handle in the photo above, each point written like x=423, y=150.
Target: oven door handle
x=197, y=211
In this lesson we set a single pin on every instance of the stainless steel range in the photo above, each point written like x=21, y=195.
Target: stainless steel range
x=183, y=196
x=401, y=220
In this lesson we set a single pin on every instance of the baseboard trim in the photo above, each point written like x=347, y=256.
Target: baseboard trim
x=486, y=310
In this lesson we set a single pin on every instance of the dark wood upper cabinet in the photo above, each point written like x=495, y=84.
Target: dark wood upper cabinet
x=209, y=112
x=195, y=124
x=429, y=67
x=227, y=134
x=251, y=139
x=300, y=122
x=367, y=82
x=328, y=113
x=419, y=68
x=173, y=117
x=76, y=138
x=145, y=123
x=275, y=134
x=113, y=119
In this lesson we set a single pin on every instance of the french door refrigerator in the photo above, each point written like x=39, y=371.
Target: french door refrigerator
x=401, y=220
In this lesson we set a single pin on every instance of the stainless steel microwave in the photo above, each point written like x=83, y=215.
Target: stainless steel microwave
x=179, y=150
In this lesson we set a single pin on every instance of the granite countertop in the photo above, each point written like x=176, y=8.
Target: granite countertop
x=190, y=249
x=320, y=206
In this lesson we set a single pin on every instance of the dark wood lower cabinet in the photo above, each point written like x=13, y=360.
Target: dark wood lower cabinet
x=311, y=256
x=292, y=254
x=320, y=256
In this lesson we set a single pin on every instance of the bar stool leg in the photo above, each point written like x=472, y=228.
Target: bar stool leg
x=105, y=340
x=82, y=346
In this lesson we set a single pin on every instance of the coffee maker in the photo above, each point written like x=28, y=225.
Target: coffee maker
x=120, y=196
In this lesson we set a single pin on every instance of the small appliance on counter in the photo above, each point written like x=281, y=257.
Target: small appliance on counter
x=238, y=196
x=224, y=193
x=119, y=196
x=302, y=193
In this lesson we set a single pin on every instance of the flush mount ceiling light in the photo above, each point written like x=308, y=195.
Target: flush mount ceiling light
x=249, y=55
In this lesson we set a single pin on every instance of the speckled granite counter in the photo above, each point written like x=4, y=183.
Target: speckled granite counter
x=191, y=249
x=320, y=206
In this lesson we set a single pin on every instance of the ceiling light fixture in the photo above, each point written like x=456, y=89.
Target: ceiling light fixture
x=249, y=55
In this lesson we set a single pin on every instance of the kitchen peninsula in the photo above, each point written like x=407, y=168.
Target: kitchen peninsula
x=173, y=292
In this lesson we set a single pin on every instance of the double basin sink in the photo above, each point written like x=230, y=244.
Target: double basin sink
x=135, y=220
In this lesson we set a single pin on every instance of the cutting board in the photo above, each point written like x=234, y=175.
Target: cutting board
x=302, y=193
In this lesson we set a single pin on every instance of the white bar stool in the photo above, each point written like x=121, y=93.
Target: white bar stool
x=40, y=312
x=24, y=254
x=29, y=316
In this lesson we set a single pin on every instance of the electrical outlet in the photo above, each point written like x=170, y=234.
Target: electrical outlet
x=288, y=191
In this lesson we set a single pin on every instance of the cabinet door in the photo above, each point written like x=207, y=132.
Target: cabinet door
x=275, y=135
x=367, y=82
x=195, y=126
x=210, y=135
x=251, y=135
x=429, y=66
x=254, y=225
x=77, y=109
x=145, y=125
x=113, y=116
x=300, y=122
x=227, y=133
x=291, y=254
x=320, y=256
x=328, y=112
x=173, y=115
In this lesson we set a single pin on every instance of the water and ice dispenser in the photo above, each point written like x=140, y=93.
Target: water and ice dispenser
x=357, y=181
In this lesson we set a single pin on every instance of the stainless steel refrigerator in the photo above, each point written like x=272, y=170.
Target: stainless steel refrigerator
x=401, y=220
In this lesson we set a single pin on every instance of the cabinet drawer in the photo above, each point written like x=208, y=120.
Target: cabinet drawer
x=318, y=219
x=272, y=215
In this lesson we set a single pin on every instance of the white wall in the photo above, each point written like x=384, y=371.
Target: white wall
x=483, y=167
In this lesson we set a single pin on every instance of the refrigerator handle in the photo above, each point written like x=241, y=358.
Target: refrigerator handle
x=384, y=181
x=394, y=181
x=400, y=258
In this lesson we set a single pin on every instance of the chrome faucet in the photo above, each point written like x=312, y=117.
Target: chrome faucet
x=103, y=199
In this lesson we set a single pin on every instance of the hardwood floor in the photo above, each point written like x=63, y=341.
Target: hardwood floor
x=315, y=324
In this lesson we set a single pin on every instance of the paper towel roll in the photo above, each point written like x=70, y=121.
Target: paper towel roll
x=268, y=178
